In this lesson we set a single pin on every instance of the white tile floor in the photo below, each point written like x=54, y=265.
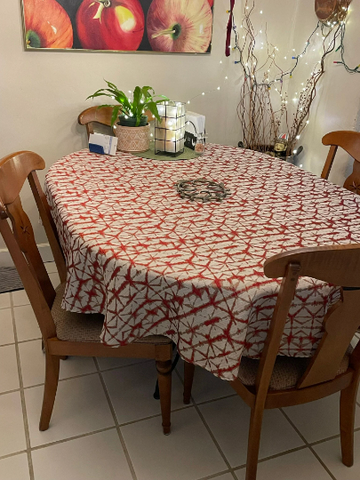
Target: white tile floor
x=106, y=425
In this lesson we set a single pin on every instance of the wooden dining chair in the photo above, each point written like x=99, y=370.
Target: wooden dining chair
x=350, y=142
x=96, y=119
x=99, y=119
x=277, y=381
x=64, y=333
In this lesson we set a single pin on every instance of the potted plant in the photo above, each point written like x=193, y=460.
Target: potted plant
x=132, y=127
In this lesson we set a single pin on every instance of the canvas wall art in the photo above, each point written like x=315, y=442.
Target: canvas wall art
x=167, y=26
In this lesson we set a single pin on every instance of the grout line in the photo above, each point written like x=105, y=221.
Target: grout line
x=69, y=439
x=13, y=454
x=10, y=391
x=22, y=397
x=308, y=444
x=218, y=475
x=212, y=436
x=7, y=344
x=280, y=454
x=110, y=369
x=120, y=435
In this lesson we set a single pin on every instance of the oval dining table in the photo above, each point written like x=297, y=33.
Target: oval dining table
x=155, y=263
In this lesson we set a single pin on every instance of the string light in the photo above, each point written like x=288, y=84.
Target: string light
x=284, y=74
x=251, y=94
x=289, y=72
x=341, y=48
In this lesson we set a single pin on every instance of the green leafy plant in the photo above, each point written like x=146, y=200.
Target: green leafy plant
x=143, y=98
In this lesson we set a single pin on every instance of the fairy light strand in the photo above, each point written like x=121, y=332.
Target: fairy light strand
x=342, y=53
x=259, y=120
x=284, y=74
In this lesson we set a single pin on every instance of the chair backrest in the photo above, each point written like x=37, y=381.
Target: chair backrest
x=350, y=142
x=95, y=116
x=336, y=265
x=19, y=237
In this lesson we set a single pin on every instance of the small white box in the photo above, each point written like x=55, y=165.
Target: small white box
x=198, y=121
x=105, y=144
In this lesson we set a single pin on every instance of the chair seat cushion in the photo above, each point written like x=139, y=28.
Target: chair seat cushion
x=86, y=327
x=287, y=371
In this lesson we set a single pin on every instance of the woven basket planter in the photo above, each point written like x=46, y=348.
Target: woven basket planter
x=133, y=139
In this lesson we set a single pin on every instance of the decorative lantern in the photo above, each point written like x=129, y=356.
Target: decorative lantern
x=170, y=131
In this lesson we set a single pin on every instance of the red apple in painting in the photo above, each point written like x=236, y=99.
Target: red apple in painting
x=179, y=25
x=47, y=24
x=211, y=2
x=110, y=24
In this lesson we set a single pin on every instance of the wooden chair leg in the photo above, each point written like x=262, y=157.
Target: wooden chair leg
x=347, y=421
x=164, y=382
x=254, y=442
x=51, y=383
x=189, y=371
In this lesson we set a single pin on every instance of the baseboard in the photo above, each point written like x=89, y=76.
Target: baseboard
x=44, y=249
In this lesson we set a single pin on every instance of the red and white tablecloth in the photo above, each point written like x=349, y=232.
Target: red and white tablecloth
x=154, y=263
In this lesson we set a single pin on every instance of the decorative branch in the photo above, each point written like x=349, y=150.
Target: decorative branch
x=262, y=115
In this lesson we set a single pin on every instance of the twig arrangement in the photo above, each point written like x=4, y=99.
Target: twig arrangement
x=263, y=114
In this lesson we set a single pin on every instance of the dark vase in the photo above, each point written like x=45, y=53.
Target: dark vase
x=131, y=121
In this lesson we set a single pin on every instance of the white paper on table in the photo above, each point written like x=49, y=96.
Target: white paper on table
x=107, y=142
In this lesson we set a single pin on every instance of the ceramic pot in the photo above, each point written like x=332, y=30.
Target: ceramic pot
x=133, y=139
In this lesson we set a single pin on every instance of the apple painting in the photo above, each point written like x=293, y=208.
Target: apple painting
x=179, y=25
x=47, y=25
x=110, y=24
x=172, y=26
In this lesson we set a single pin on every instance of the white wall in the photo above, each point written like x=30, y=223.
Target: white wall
x=42, y=92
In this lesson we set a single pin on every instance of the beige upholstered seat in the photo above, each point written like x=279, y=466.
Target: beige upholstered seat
x=75, y=327
x=86, y=327
x=286, y=373
x=64, y=333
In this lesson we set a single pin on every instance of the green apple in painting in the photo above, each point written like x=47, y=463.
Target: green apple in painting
x=179, y=25
x=110, y=24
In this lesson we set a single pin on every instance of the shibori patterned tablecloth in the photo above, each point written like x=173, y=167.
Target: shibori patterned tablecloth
x=154, y=263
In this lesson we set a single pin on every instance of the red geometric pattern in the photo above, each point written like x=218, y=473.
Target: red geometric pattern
x=154, y=263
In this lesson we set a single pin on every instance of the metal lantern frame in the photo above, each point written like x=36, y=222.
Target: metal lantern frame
x=169, y=134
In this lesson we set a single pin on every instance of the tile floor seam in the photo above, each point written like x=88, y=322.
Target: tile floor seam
x=280, y=454
x=69, y=439
x=217, y=475
x=86, y=374
x=22, y=397
x=6, y=392
x=308, y=445
x=13, y=454
x=118, y=429
x=7, y=344
x=120, y=367
x=194, y=404
x=212, y=436
x=322, y=463
x=205, y=402
x=20, y=342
